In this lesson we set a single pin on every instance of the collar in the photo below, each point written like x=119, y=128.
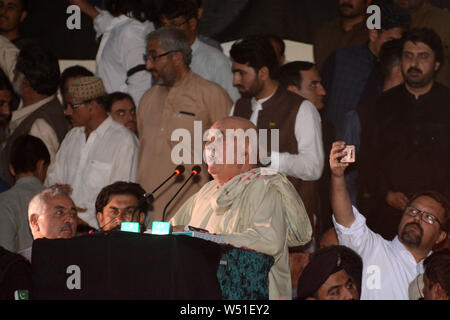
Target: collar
x=257, y=104
x=186, y=79
x=421, y=97
x=195, y=45
x=404, y=252
x=101, y=129
x=20, y=114
x=28, y=180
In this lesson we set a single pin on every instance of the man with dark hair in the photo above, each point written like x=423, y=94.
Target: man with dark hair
x=437, y=276
x=348, y=30
x=29, y=162
x=410, y=140
x=12, y=14
x=178, y=99
x=116, y=203
x=6, y=100
x=121, y=107
x=389, y=266
x=302, y=78
x=333, y=273
x=426, y=15
x=68, y=75
x=270, y=106
x=96, y=152
x=41, y=115
x=351, y=75
x=207, y=61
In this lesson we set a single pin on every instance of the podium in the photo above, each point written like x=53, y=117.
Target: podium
x=122, y=265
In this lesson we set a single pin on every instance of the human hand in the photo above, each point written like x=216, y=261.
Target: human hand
x=337, y=168
x=397, y=200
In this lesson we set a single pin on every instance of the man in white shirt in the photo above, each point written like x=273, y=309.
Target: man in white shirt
x=389, y=266
x=207, y=62
x=96, y=152
x=36, y=78
x=270, y=106
x=123, y=29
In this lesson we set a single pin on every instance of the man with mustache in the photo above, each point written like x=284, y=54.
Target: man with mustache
x=389, y=266
x=426, y=15
x=410, y=136
x=12, y=14
x=177, y=99
x=52, y=214
x=348, y=30
x=120, y=106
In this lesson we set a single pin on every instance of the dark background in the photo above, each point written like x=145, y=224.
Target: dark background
x=223, y=20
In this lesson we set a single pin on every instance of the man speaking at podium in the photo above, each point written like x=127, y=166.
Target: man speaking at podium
x=250, y=207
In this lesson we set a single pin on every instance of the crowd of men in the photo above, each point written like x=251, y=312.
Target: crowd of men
x=79, y=151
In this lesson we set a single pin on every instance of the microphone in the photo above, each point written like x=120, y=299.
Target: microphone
x=148, y=197
x=195, y=171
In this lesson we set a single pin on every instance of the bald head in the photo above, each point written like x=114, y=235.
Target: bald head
x=234, y=123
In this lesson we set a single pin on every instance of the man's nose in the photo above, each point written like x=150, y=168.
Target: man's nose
x=321, y=90
x=346, y=294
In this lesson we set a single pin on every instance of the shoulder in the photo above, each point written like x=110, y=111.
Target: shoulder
x=210, y=53
x=206, y=87
x=133, y=29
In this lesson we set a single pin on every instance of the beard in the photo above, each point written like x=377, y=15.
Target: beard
x=410, y=237
x=252, y=91
x=417, y=81
x=4, y=119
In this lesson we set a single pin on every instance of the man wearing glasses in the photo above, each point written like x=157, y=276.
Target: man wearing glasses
x=96, y=152
x=389, y=266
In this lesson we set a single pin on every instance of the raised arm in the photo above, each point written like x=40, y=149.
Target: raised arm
x=86, y=8
x=340, y=198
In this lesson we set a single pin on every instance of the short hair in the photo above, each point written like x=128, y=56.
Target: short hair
x=73, y=72
x=112, y=98
x=26, y=151
x=394, y=16
x=172, y=9
x=256, y=52
x=437, y=269
x=442, y=200
x=40, y=68
x=390, y=56
x=172, y=39
x=117, y=188
x=430, y=38
x=290, y=75
x=137, y=9
x=39, y=201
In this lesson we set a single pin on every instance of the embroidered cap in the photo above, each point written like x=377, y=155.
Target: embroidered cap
x=86, y=88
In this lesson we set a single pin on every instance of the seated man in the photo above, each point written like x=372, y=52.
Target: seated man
x=116, y=202
x=52, y=214
x=389, y=266
x=333, y=273
x=437, y=276
x=250, y=207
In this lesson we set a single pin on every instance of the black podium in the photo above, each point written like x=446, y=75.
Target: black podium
x=121, y=265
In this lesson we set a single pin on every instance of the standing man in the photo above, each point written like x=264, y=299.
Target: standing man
x=12, y=14
x=178, y=98
x=410, y=133
x=207, y=61
x=269, y=106
x=389, y=266
x=352, y=75
x=425, y=15
x=346, y=31
x=41, y=115
x=96, y=152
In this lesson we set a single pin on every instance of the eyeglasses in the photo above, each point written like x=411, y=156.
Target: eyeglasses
x=153, y=58
x=425, y=216
x=77, y=105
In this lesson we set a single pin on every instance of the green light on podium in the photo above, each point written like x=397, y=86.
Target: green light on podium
x=130, y=227
x=159, y=227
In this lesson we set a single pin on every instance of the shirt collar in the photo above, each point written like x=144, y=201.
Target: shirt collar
x=23, y=112
x=404, y=252
x=101, y=129
x=257, y=104
x=195, y=45
x=28, y=180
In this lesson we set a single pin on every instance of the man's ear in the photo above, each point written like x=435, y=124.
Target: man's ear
x=23, y=16
x=436, y=66
x=438, y=293
x=293, y=89
x=263, y=73
x=100, y=219
x=199, y=13
x=33, y=221
x=442, y=236
x=373, y=35
x=11, y=170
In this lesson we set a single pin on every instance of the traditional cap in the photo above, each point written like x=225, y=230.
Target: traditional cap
x=323, y=263
x=86, y=88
